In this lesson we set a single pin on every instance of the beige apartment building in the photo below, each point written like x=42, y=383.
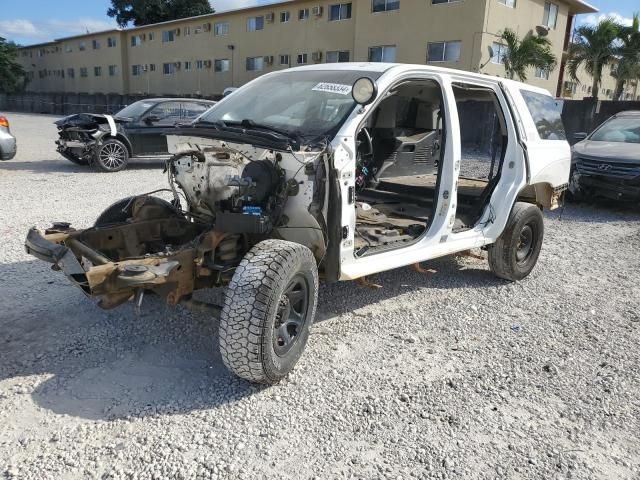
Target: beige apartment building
x=204, y=55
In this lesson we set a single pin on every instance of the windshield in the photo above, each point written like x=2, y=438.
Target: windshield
x=135, y=109
x=308, y=103
x=619, y=130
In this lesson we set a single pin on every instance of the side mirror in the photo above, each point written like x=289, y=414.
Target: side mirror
x=364, y=91
x=579, y=136
x=150, y=119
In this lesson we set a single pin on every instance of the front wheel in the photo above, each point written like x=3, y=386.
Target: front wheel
x=516, y=251
x=268, y=310
x=111, y=156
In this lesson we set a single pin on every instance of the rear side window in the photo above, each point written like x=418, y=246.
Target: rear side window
x=546, y=112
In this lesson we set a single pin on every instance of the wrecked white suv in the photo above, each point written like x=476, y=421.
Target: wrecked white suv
x=332, y=173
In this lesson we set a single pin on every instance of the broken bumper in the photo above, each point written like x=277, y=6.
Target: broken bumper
x=613, y=188
x=60, y=256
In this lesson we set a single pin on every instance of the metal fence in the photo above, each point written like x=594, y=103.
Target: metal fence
x=578, y=115
x=70, y=103
x=585, y=115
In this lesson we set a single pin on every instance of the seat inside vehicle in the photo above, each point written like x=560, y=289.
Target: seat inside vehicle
x=400, y=150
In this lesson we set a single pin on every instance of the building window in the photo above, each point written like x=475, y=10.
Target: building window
x=111, y=42
x=152, y=36
x=83, y=72
x=188, y=66
x=95, y=44
x=444, y=51
x=81, y=46
x=550, y=15
x=221, y=65
x=542, y=73
x=168, y=36
x=338, y=56
x=438, y=2
x=500, y=51
x=97, y=71
x=255, y=23
x=340, y=11
x=285, y=17
x=67, y=49
x=199, y=64
x=136, y=40
x=385, y=53
x=71, y=73
x=187, y=30
x=221, y=28
x=285, y=60
x=303, y=14
x=168, y=68
x=384, y=5
x=152, y=67
x=136, y=70
x=113, y=70
x=508, y=3
x=255, y=64
x=303, y=58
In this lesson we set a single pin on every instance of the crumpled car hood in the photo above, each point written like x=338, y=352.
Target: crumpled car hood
x=84, y=120
x=624, y=152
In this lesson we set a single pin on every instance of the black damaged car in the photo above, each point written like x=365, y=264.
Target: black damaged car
x=138, y=131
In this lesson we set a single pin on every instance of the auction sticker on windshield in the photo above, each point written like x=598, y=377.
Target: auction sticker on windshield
x=333, y=88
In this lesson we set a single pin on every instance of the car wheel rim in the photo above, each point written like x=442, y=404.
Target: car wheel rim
x=291, y=315
x=112, y=155
x=526, y=244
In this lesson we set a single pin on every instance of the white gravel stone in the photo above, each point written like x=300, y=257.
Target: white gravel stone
x=499, y=374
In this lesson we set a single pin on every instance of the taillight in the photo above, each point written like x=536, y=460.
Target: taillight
x=4, y=122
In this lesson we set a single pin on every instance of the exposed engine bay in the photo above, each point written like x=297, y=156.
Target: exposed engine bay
x=80, y=133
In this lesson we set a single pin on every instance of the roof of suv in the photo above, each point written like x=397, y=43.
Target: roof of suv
x=407, y=67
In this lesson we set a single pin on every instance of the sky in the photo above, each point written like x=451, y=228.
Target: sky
x=35, y=21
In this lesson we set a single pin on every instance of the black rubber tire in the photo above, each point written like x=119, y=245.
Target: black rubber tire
x=122, y=210
x=503, y=255
x=249, y=318
x=102, y=164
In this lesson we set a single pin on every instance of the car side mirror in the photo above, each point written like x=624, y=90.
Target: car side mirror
x=579, y=136
x=149, y=119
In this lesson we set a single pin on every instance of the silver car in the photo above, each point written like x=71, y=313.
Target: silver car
x=607, y=162
x=7, y=141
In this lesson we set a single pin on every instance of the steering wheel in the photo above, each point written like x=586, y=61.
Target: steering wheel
x=369, y=141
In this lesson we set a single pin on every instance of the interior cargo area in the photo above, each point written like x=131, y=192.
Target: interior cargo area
x=400, y=151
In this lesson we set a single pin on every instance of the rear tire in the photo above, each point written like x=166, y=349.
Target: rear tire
x=111, y=156
x=516, y=251
x=268, y=310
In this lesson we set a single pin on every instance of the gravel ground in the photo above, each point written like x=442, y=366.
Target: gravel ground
x=449, y=375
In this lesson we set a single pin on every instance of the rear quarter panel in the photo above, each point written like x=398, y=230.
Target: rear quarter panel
x=549, y=160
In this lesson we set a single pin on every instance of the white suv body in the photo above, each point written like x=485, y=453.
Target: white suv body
x=334, y=171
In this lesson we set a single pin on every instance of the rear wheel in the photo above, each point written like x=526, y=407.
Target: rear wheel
x=516, y=252
x=269, y=307
x=111, y=156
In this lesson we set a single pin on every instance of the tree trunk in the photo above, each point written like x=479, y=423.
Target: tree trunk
x=596, y=80
x=619, y=89
x=594, y=88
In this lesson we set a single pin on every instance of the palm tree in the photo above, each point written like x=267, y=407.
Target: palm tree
x=594, y=47
x=627, y=66
x=531, y=51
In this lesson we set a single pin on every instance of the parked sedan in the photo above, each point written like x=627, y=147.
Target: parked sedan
x=137, y=131
x=607, y=162
x=7, y=141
